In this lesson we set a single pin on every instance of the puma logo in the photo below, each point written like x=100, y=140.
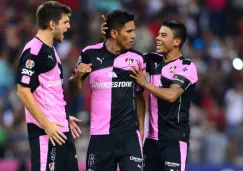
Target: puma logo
x=101, y=60
x=156, y=65
x=49, y=56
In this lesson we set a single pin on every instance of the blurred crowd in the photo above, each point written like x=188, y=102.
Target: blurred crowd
x=215, y=39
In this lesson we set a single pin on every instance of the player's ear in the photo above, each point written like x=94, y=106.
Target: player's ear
x=113, y=33
x=177, y=42
x=52, y=25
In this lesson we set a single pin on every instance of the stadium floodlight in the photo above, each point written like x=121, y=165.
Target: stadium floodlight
x=237, y=64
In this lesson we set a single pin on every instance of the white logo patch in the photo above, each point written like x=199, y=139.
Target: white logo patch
x=136, y=159
x=27, y=72
x=55, y=83
x=171, y=164
x=101, y=60
x=49, y=56
x=112, y=75
x=53, y=158
x=111, y=84
x=156, y=65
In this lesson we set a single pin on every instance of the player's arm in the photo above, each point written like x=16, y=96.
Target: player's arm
x=77, y=79
x=30, y=103
x=170, y=94
x=141, y=112
x=28, y=72
x=76, y=83
x=179, y=84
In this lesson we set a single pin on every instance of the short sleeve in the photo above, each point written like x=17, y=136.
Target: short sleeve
x=82, y=59
x=28, y=70
x=143, y=66
x=146, y=57
x=143, y=63
x=185, y=75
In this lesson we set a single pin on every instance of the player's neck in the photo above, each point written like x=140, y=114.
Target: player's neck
x=112, y=46
x=46, y=37
x=172, y=55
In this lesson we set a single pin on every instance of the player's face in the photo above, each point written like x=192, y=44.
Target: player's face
x=164, y=40
x=61, y=28
x=126, y=35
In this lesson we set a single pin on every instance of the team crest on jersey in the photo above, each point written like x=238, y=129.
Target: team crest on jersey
x=172, y=69
x=129, y=61
x=52, y=166
x=29, y=64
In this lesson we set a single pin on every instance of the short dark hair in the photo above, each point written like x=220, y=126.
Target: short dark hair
x=178, y=29
x=50, y=10
x=117, y=19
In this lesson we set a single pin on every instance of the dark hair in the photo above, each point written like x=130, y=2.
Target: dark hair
x=117, y=19
x=178, y=29
x=50, y=10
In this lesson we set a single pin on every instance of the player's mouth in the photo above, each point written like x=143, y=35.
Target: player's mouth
x=131, y=42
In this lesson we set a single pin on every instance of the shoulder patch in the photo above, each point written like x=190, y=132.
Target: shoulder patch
x=186, y=61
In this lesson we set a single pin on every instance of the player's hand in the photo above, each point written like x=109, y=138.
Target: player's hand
x=138, y=75
x=76, y=131
x=53, y=132
x=103, y=27
x=83, y=69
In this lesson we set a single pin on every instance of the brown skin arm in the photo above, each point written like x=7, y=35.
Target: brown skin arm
x=170, y=94
x=141, y=113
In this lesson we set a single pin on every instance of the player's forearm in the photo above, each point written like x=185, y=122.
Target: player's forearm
x=75, y=83
x=30, y=103
x=166, y=94
x=141, y=112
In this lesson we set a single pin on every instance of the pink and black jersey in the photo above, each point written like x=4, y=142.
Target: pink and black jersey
x=170, y=121
x=113, y=91
x=40, y=69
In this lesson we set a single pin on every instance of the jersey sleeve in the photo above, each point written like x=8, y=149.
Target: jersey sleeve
x=28, y=70
x=83, y=58
x=143, y=67
x=146, y=58
x=185, y=76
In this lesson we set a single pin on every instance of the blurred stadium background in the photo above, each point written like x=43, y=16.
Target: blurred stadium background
x=215, y=43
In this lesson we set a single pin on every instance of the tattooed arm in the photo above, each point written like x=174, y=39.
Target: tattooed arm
x=169, y=94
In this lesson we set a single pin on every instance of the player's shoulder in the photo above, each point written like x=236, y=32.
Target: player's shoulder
x=152, y=56
x=187, y=65
x=37, y=49
x=136, y=52
x=186, y=61
x=92, y=47
x=33, y=47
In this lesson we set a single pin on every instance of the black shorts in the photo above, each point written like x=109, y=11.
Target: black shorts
x=164, y=155
x=46, y=157
x=106, y=152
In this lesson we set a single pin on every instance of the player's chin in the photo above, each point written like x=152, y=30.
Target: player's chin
x=159, y=50
x=128, y=46
x=59, y=39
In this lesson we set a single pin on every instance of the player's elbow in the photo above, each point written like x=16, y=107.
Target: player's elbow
x=73, y=87
x=21, y=91
x=172, y=98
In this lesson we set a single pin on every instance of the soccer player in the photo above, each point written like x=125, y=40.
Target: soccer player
x=40, y=89
x=117, y=103
x=172, y=82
